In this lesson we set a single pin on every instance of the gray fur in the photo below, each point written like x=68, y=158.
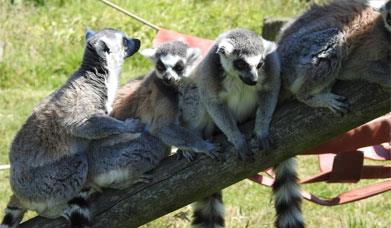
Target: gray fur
x=120, y=161
x=48, y=154
x=343, y=40
x=223, y=95
x=174, y=48
x=385, y=11
x=177, y=132
x=228, y=96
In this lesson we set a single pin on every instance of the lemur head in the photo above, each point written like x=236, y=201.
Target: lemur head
x=173, y=60
x=385, y=11
x=241, y=54
x=110, y=46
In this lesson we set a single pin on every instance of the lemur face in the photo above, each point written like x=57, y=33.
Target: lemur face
x=173, y=61
x=112, y=44
x=241, y=54
x=386, y=14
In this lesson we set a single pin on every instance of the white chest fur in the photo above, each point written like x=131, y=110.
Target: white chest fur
x=112, y=86
x=112, y=82
x=240, y=98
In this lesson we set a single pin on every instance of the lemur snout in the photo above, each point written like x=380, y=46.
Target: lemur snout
x=249, y=79
x=167, y=80
x=133, y=45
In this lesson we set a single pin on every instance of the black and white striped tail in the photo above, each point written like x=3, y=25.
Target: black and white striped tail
x=287, y=196
x=12, y=217
x=209, y=212
x=78, y=212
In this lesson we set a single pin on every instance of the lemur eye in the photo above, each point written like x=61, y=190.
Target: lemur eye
x=240, y=64
x=160, y=66
x=260, y=65
x=179, y=67
x=105, y=48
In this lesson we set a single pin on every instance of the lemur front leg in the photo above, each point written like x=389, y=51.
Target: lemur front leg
x=319, y=69
x=267, y=101
x=316, y=86
x=100, y=126
x=186, y=140
x=225, y=121
x=267, y=94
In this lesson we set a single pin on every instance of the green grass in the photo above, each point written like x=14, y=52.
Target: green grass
x=44, y=44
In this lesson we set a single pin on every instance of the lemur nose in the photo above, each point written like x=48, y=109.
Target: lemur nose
x=167, y=79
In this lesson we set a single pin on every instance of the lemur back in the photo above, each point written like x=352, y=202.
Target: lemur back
x=148, y=99
x=48, y=155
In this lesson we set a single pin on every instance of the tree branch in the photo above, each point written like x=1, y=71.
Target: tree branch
x=295, y=128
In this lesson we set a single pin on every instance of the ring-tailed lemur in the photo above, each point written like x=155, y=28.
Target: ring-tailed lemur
x=154, y=98
x=238, y=79
x=48, y=154
x=341, y=40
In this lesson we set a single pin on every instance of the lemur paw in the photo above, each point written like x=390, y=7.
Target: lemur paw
x=213, y=150
x=261, y=143
x=134, y=125
x=338, y=104
x=244, y=152
x=186, y=154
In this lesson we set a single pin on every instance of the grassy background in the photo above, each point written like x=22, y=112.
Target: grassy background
x=44, y=44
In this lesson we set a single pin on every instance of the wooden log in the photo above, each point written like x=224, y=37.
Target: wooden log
x=295, y=128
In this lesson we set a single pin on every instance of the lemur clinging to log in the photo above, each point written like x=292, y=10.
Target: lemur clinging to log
x=48, y=154
x=154, y=97
x=238, y=79
x=341, y=40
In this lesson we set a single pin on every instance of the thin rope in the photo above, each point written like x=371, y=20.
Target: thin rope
x=137, y=18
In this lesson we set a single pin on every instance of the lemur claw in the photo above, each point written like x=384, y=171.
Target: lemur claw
x=245, y=153
x=338, y=104
x=186, y=154
x=261, y=143
x=213, y=151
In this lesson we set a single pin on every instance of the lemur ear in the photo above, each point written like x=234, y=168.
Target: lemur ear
x=268, y=46
x=225, y=47
x=101, y=48
x=148, y=53
x=193, y=54
x=89, y=33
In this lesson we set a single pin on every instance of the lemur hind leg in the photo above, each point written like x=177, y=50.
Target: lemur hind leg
x=318, y=70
